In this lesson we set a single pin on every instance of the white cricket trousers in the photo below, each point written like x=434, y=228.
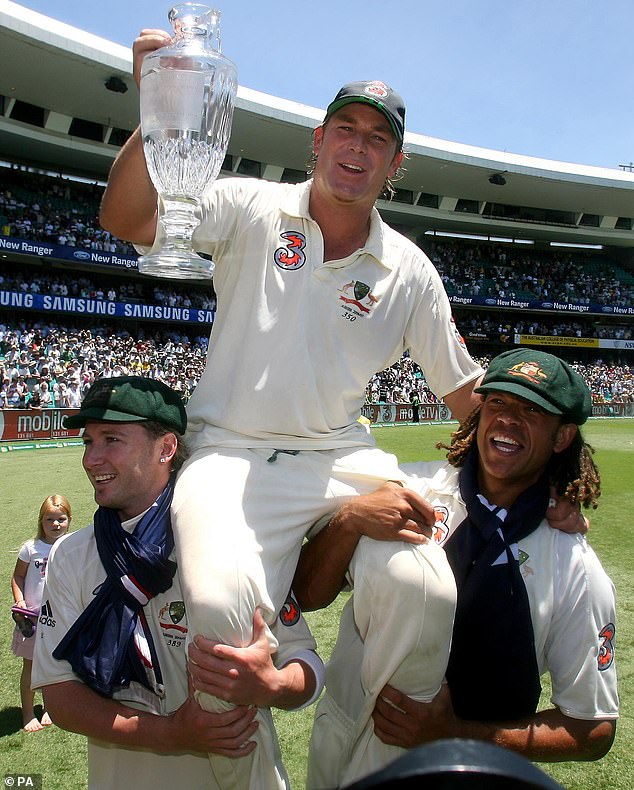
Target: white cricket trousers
x=396, y=628
x=239, y=520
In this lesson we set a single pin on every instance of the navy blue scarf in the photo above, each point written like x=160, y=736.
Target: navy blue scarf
x=110, y=643
x=493, y=673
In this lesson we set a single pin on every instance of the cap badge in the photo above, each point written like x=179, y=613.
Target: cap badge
x=377, y=88
x=528, y=370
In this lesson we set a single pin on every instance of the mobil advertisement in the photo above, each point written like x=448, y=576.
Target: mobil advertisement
x=385, y=413
x=36, y=424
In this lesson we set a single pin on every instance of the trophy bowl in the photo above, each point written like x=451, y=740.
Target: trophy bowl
x=188, y=92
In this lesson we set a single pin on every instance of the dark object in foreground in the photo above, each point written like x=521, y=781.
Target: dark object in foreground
x=457, y=763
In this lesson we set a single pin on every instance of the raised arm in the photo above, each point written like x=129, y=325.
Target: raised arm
x=129, y=205
x=389, y=513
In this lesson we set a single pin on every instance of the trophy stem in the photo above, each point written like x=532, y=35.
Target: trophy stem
x=179, y=221
x=176, y=258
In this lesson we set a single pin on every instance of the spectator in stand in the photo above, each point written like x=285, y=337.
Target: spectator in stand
x=34, y=401
x=46, y=397
x=62, y=401
x=486, y=269
x=74, y=394
x=15, y=396
x=4, y=397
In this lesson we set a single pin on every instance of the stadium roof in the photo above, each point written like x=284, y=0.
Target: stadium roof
x=56, y=113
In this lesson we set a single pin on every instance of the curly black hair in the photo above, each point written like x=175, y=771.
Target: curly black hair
x=573, y=471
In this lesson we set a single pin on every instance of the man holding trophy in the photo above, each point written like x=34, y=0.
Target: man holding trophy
x=315, y=294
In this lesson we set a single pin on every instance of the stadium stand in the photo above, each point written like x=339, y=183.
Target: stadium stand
x=64, y=212
x=547, y=259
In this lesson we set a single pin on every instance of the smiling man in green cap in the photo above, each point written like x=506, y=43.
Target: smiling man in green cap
x=530, y=598
x=114, y=635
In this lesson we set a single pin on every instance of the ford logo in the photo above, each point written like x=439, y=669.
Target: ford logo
x=547, y=305
x=490, y=301
x=81, y=255
x=606, y=310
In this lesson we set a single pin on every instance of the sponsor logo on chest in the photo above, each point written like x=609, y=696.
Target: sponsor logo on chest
x=355, y=297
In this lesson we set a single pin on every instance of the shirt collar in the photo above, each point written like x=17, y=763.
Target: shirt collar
x=296, y=203
x=131, y=523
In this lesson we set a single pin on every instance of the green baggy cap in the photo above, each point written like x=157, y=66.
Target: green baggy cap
x=542, y=379
x=131, y=399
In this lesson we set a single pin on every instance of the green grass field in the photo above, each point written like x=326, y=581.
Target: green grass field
x=29, y=476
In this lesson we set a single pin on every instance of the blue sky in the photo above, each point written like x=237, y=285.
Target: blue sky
x=548, y=78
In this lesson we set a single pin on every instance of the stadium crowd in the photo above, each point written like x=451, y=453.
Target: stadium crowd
x=488, y=324
x=495, y=271
x=61, y=211
x=45, y=365
x=48, y=365
x=146, y=292
x=54, y=210
x=404, y=382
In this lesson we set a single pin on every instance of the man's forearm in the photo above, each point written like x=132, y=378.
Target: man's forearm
x=129, y=204
x=323, y=562
x=248, y=675
x=296, y=687
x=391, y=513
x=77, y=708
x=464, y=400
x=547, y=736
x=74, y=707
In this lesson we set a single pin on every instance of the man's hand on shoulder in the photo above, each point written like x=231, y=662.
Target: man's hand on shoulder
x=564, y=516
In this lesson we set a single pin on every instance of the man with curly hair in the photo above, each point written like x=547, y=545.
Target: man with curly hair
x=530, y=599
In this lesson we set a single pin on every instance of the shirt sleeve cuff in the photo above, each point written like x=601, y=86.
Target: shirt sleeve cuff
x=317, y=666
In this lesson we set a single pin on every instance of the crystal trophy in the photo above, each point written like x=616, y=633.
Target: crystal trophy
x=188, y=92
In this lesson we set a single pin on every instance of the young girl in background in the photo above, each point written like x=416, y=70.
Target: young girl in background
x=27, y=584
